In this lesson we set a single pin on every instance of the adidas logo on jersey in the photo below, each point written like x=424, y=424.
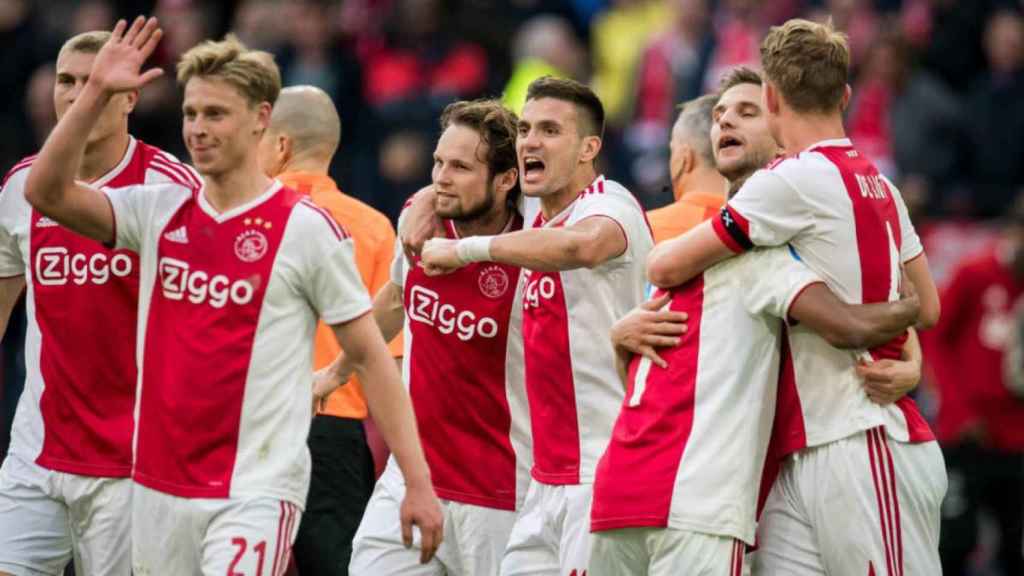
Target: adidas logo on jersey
x=45, y=222
x=179, y=235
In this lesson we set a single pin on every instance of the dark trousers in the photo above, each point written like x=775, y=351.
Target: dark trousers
x=982, y=479
x=339, y=490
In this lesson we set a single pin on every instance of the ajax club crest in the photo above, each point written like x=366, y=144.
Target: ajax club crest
x=493, y=281
x=251, y=245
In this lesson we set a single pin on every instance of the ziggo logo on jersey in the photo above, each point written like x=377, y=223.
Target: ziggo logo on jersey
x=54, y=266
x=425, y=306
x=178, y=281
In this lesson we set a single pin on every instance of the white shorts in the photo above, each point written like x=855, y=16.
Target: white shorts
x=865, y=504
x=213, y=537
x=473, y=544
x=552, y=534
x=665, y=552
x=48, y=518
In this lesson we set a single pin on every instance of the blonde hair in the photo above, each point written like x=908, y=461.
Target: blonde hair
x=86, y=42
x=251, y=72
x=808, y=63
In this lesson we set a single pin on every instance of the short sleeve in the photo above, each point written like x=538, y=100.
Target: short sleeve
x=131, y=206
x=766, y=211
x=13, y=207
x=333, y=284
x=772, y=279
x=625, y=212
x=910, y=242
x=398, y=263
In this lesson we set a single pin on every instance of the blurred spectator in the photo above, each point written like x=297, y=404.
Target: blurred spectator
x=953, y=52
x=996, y=116
x=856, y=18
x=39, y=102
x=543, y=46
x=980, y=423
x=903, y=118
x=738, y=32
x=617, y=37
x=23, y=46
x=91, y=15
x=257, y=23
x=672, y=69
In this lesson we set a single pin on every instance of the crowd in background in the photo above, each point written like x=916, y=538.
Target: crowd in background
x=938, y=103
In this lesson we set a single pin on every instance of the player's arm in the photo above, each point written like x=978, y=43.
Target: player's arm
x=10, y=290
x=389, y=315
x=682, y=258
x=586, y=244
x=419, y=222
x=918, y=273
x=392, y=412
x=51, y=186
x=851, y=325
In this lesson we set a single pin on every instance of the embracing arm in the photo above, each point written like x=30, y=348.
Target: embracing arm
x=919, y=274
x=849, y=325
x=680, y=259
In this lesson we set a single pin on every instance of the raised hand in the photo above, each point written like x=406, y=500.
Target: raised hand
x=118, y=64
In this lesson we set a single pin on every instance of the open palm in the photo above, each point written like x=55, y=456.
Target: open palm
x=118, y=65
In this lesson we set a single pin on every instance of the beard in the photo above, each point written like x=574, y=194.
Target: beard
x=751, y=162
x=462, y=213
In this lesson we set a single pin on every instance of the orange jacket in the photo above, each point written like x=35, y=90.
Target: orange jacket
x=691, y=209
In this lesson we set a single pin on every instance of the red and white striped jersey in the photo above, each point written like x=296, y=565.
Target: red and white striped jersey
x=228, y=307
x=691, y=439
x=850, y=225
x=76, y=413
x=463, y=366
x=571, y=381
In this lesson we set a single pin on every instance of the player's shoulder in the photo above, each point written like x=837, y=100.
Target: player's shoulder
x=17, y=173
x=162, y=167
x=313, y=221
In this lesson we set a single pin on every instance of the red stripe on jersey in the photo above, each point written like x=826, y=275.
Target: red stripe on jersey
x=895, y=501
x=878, y=232
x=789, y=433
x=338, y=229
x=917, y=427
x=189, y=171
x=881, y=496
x=732, y=229
x=600, y=186
x=550, y=386
x=634, y=488
x=277, y=547
x=177, y=173
x=17, y=168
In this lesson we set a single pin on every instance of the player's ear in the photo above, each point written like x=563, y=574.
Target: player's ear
x=131, y=99
x=689, y=159
x=263, y=112
x=847, y=94
x=506, y=180
x=591, y=147
x=771, y=98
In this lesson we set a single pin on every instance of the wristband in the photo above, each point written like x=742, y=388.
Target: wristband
x=474, y=249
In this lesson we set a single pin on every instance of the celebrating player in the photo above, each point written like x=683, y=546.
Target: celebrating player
x=71, y=451
x=677, y=488
x=583, y=255
x=233, y=277
x=849, y=225
x=464, y=365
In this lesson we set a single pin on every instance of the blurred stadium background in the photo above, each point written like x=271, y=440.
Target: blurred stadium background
x=938, y=103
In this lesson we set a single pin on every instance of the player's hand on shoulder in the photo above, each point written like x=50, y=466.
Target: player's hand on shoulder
x=440, y=256
x=419, y=223
x=886, y=381
x=648, y=327
x=422, y=509
x=118, y=64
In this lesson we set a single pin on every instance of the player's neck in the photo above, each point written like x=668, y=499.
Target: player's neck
x=307, y=165
x=702, y=180
x=552, y=204
x=799, y=132
x=236, y=187
x=494, y=222
x=102, y=156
